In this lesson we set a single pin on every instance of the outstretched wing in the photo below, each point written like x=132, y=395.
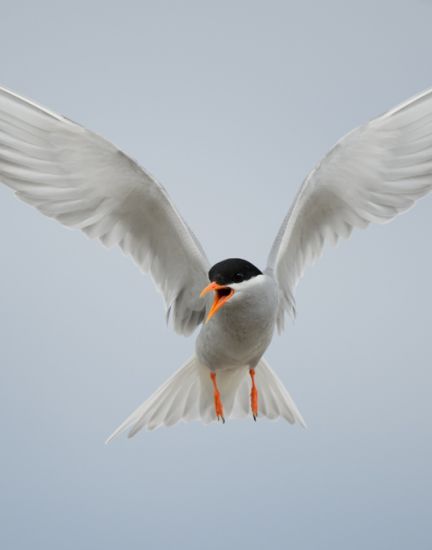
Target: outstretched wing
x=374, y=173
x=83, y=181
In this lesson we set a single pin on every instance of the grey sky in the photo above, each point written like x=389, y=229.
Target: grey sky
x=229, y=105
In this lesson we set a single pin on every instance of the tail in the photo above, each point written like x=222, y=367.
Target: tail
x=188, y=395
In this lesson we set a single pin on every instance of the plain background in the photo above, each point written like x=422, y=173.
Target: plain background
x=230, y=104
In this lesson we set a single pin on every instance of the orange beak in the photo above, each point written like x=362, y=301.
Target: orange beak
x=219, y=299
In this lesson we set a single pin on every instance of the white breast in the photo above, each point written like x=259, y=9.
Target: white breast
x=241, y=331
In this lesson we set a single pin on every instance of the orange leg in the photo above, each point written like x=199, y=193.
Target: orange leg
x=217, y=399
x=254, y=395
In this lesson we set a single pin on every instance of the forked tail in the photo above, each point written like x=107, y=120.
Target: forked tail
x=188, y=395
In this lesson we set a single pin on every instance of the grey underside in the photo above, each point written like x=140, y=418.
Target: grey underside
x=240, y=332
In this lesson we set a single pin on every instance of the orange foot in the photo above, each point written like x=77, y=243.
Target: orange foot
x=253, y=395
x=217, y=399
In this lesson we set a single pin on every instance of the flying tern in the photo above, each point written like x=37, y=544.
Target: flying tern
x=75, y=176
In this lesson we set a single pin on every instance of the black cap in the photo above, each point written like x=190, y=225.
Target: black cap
x=233, y=270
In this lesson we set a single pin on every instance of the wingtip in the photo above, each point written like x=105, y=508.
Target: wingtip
x=115, y=434
x=109, y=439
x=301, y=421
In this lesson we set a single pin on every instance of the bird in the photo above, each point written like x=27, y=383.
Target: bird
x=73, y=175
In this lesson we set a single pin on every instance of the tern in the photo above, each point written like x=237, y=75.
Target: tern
x=75, y=176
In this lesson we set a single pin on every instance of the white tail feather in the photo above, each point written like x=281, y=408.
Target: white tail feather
x=188, y=395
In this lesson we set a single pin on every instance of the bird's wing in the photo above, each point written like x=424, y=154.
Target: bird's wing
x=372, y=174
x=83, y=181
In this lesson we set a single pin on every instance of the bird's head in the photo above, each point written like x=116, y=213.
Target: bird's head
x=229, y=278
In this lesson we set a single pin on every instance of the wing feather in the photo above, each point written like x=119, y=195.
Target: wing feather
x=76, y=177
x=371, y=175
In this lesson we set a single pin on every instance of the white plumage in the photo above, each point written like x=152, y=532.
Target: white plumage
x=81, y=180
x=372, y=174
x=69, y=173
x=187, y=396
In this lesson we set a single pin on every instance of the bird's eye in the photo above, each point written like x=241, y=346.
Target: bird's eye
x=238, y=277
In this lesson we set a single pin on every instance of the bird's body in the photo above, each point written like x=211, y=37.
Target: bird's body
x=235, y=337
x=68, y=173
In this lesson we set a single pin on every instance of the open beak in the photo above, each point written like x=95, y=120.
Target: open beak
x=222, y=295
